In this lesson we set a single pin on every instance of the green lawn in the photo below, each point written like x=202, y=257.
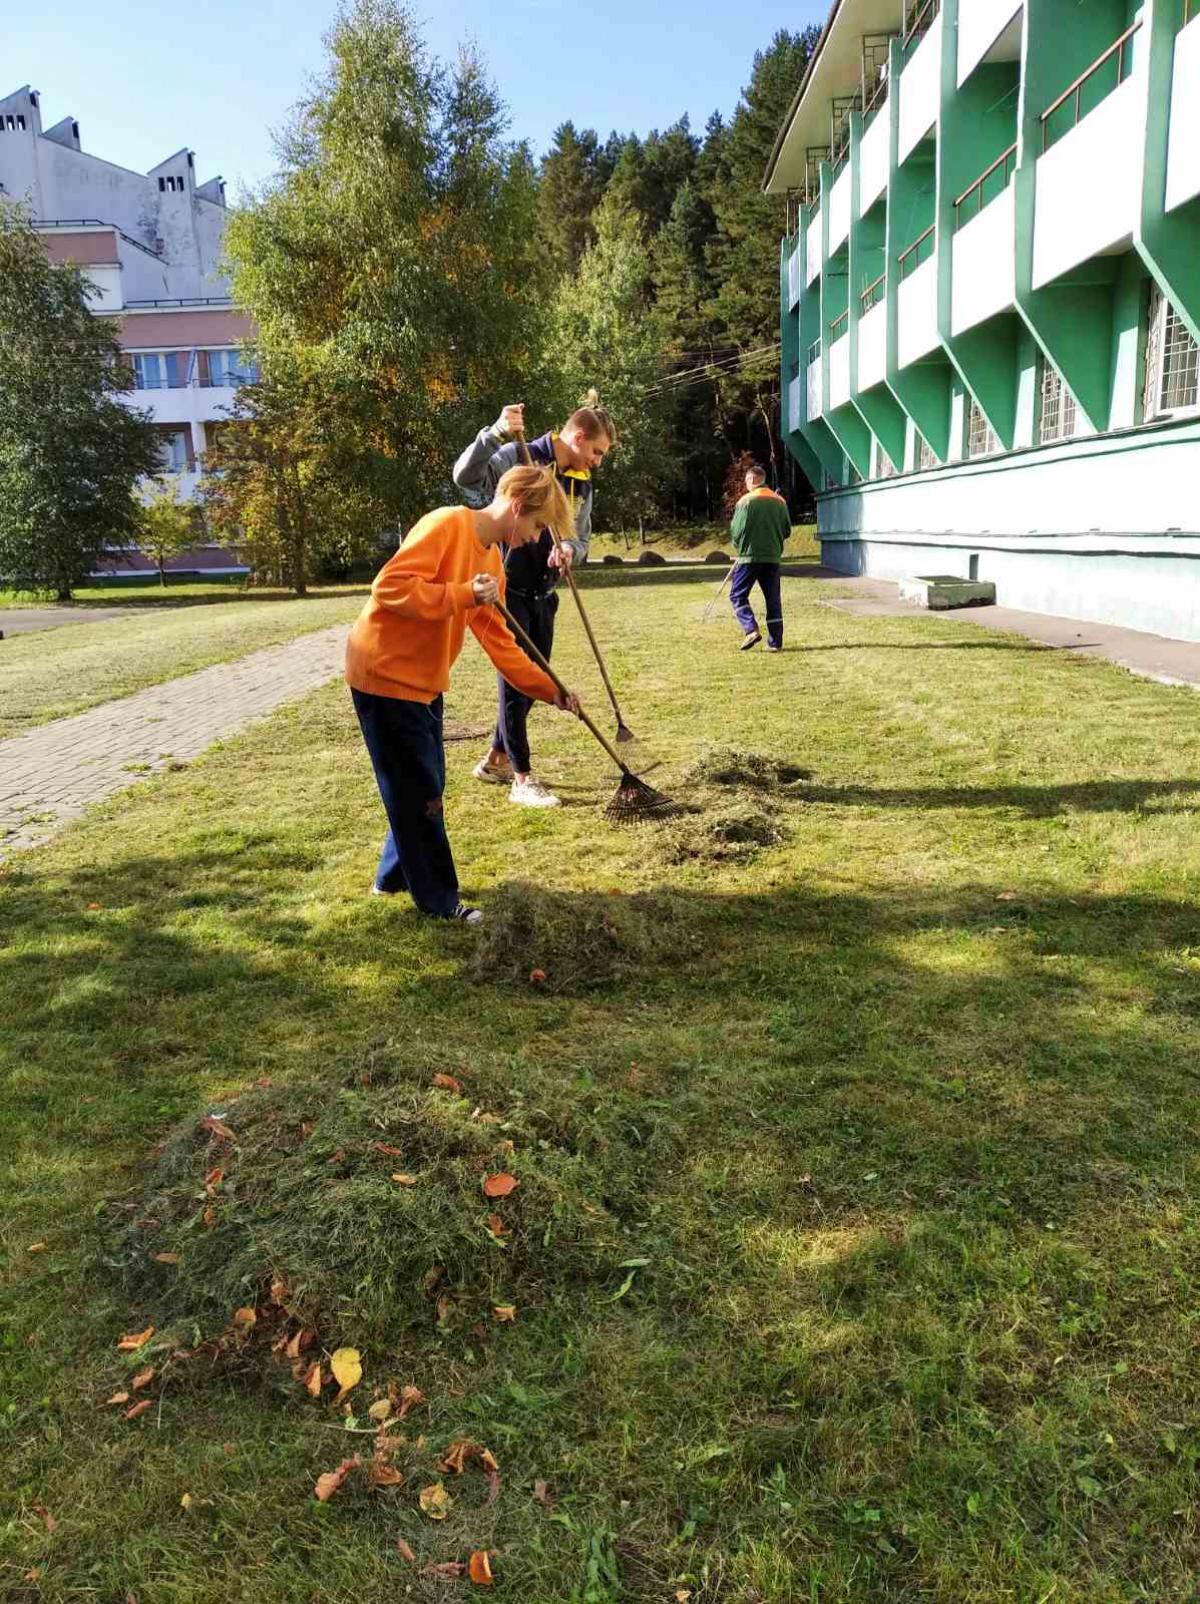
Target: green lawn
x=696, y=542
x=856, y=1253
x=49, y=673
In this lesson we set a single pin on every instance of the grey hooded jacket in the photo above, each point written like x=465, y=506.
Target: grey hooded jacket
x=489, y=457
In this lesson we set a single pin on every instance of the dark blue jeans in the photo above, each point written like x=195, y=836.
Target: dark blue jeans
x=745, y=575
x=405, y=743
x=535, y=614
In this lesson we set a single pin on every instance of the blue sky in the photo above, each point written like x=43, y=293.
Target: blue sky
x=143, y=80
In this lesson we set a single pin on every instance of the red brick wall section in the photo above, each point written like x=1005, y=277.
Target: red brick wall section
x=97, y=249
x=183, y=330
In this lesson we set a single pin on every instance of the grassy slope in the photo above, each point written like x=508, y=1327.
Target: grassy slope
x=697, y=541
x=50, y=673
x=912, y=1158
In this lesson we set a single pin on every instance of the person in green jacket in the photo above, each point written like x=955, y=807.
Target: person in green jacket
x=760, y=528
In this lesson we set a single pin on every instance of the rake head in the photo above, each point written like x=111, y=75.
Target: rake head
x=624, y=733
x=636, y=802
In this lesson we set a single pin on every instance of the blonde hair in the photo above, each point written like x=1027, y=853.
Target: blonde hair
x=593, y=420
x=538, y=491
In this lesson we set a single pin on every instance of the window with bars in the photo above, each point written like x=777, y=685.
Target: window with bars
x=981, y=438
x=1172, y=361
x=885, y=468
x=1059, y=414
x=926, y=455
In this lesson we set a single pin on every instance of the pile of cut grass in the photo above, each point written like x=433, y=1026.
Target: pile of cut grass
x=296, y=1187
x=726, y=766
x=578, y=943
x=731, y=832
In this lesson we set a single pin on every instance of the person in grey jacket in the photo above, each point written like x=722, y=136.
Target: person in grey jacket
x=532, y=571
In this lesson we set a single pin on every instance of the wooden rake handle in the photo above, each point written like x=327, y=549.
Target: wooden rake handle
x=532, y=651
x=574, y=589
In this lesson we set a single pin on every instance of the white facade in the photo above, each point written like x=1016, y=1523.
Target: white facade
x=151, y=244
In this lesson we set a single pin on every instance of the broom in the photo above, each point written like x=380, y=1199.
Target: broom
x=635, y=801
x=624, y=733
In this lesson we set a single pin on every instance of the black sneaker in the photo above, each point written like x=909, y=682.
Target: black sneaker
x=468, y=916
x=752, y=639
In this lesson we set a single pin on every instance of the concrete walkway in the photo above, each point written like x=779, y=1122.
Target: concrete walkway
x=1170, y=662
x=51, y=774
x=21, y=620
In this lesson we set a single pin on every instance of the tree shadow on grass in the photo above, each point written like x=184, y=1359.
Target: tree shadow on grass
x=1035, y=801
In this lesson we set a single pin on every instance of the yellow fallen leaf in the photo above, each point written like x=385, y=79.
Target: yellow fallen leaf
x=166, y=1258
x=380, y=1409
x=405, y=1180
x=435, y=1501
x=346, y=1365
x=186, y=1501
x=36, y=1247
x=505, y=1313
x=135, y=1340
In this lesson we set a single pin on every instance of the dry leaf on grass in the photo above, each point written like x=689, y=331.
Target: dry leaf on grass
x=331, y=1481
x=346, y=1365
x=495, y=1225
x=117, y=1398
x=406, y=1399
x=209, y=1217
x=166, y=1258
x=447, y=1083
x=216, y=1127
x=313, y=1381
x=135, y=1340
x=380, y=1410
x=245, y=1317
x=541, y=1494
x=388, y=1152
x=138, y=1409
x=36, y=1247
x=214, y=1178
x=48, y=1520
x=298, y=1343
x=537, y=976
x=405, y=1180
x=379, y=1475
x=500, y=1185
x=448, y=1571
x=142, y=1379
x=505, y=1313
x=405, y=1552
x=479, y=1568
x=186, y=1501
x=435, y=1501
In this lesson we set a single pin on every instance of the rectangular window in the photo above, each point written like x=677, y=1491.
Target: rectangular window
x=981, y=439
x=173, y=451
x=885, y=468
x=228, y=369
x=162, y=370
x=1059, y=414
x=1172, y=361
x=926, y=455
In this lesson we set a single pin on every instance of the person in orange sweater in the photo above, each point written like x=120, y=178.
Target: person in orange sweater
x=443, y=579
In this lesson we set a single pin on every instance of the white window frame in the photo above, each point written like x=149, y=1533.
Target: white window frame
x=1169, y=346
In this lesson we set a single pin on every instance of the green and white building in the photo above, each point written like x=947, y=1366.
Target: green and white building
x=990, y=295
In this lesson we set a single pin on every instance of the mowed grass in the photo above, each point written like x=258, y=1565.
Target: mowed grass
x=695, y=542
x=856, y=1249
x=50, y=673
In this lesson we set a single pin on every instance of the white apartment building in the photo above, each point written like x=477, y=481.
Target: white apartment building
x=151, y=244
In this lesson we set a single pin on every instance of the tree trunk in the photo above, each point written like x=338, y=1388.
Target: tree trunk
x=162, y=573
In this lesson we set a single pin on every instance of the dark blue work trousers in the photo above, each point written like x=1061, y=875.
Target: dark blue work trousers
x=405, y=743
x=766, y=575
x=534, y=611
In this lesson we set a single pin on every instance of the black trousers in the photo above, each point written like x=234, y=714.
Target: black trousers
x=535, y=614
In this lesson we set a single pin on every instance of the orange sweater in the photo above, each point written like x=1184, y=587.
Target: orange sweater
x=408, y=635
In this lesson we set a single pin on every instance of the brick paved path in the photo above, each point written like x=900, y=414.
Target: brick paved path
x=51, y=774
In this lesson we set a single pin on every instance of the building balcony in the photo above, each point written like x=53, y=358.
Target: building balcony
x=812, y=381
x=795, y=404
x=839, y=211
x=1089, y=180
x=839, y=369
x=872, y=344
x=183, y=403
x=793, y=274
x=873, y=155
x=982, y=26
x=984, y=247
x=916, y=302
x=813, y=253
x=1183, y=153
x=920, y=82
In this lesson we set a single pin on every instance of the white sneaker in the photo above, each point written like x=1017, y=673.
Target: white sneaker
x=531, y=794
x=492, y=773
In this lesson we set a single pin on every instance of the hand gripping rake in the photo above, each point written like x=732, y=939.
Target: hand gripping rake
x=624, y=733
x=635, y=801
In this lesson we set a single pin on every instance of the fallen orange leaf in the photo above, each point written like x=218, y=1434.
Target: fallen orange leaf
x=166, y=1258
x=244, y=1317
x=118, y=1398
x=448, y=1084
x=331, y=1481
x=48, y=1520
x=479, y=1569
x=388, y=1152
x=500, y=1185
x=209, y=1216
x=435, y=1501
x=216, y=1127
x=142, y=1379
x=537, y=976
x=405, y=1552
x=138, y=1409
x=495, y=1225
x=36, y=1247
x=505, y=1313
x=384, y=1476
x=313, y=1383
x=135, y=1340
x=448, y=1571
x=405, y=1180
x=410, y=1397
